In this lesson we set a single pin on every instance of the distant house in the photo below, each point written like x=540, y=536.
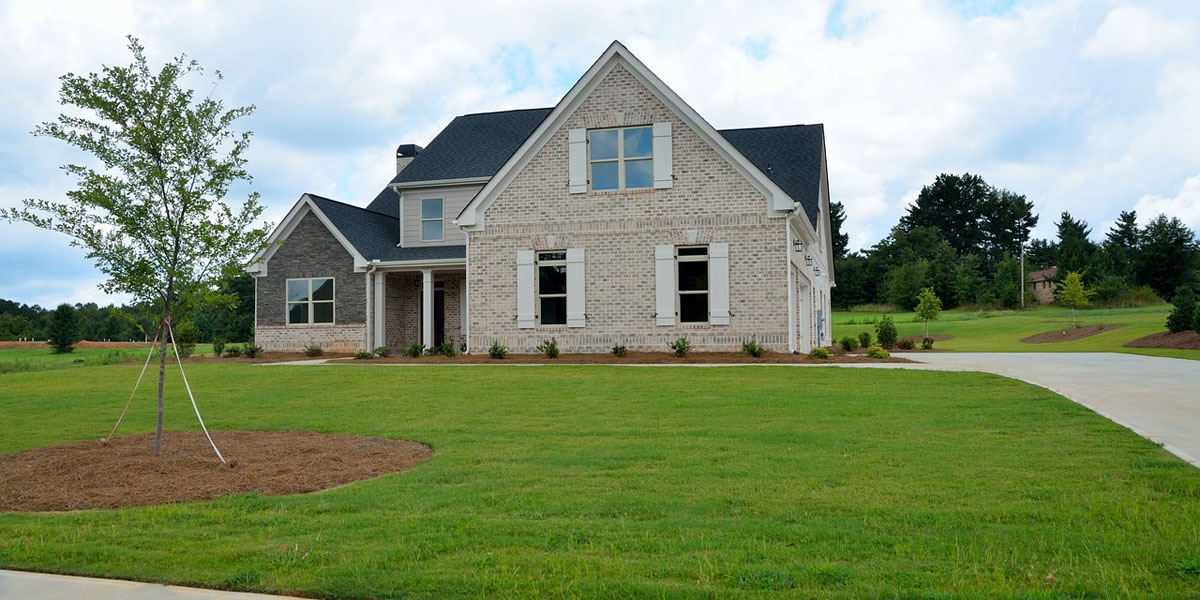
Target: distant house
x=618, y=216
x=1042, y=284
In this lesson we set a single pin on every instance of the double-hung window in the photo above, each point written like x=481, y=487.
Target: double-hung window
x=431, y=219
x=552, y=287
x=310, y=301
x=691, y=275
x=621, y=159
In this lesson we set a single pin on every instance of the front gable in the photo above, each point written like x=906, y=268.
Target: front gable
x=304, y=210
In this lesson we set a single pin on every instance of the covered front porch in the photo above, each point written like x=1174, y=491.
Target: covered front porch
x=426, y=305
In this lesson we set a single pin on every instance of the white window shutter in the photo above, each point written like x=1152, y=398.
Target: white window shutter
x=575, y=293
x=577, y=160
x=525, y=313
x=663, y=176
x=664, y=284
x=718, y=283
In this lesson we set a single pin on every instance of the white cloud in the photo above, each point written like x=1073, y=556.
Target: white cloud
x=1185, y=204
x=1136, y=31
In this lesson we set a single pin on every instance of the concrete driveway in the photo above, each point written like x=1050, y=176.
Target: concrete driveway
x=1158, y=398
x=41, y=586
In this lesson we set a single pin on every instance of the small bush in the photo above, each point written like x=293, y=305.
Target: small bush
x=877, y=352
x=819, y=354
x=415, y=350
x=885, y=332
x=447, y=349
x=185, y=339
x=313, y=350
x=363, y=355
x=753, y=348
x=218, y=347
x=906, y=344
x=383, y=352
x=63, y=332
x=252, y=350
x=864, y=339
x=233, y=351
x=498, y=350
x=927, y=343
x=619, y=350
x=1183, y=317
x=681, y=347
x=549, y=348
x=848, y=343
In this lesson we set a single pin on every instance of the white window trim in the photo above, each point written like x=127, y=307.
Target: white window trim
x=538, y=263
x=287, y=303
x=441, y=219
x=620, y=158
x=707, y=290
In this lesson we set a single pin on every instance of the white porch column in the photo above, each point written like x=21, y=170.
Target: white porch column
x=427, y=307
x=380, y=307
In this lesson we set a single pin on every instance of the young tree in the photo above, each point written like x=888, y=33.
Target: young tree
x=152, y=214
x=1184, y=316
x=929, y=306
x=1071, y=292
x=64, y=329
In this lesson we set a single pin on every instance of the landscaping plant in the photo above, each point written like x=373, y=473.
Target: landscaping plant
x=498, y=350
x=218, y=345
x=415, y=350
x=927, y=343
x=549, y=348
x=680, y=347
x=313, y=350
x=929, y=306
x=751, y=347
x=864, y=339
x=885, y=332
x=819, y=354
x=233, y=351
x=906, y=344
x=447, y=349
x=877, y=352
x=618, y=350
x=252, y=350
x=363, y=355
x=1183, y=317
x=383, y=352
x=848, y=343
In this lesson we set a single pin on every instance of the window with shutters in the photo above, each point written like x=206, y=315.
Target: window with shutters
x=310, y=301
x=431, y=219
x=621, y=159
x=552, y=287
x=691, y=276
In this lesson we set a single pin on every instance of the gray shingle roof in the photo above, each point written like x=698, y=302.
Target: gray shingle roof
x=475, y=145
x=375, y=234
x=790, y=156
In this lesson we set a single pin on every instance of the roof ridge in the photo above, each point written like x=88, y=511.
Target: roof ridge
x=364, y=209
x=773, y=126
x=496, y=112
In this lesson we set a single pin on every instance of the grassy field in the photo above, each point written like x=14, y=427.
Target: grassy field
x=45, y=359
x=569, y=482
x=1002, y=331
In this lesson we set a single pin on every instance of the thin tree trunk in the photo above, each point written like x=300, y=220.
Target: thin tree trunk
x=162, y=371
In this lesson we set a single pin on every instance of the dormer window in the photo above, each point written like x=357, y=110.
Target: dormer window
x=621, y=158
x=431, y=220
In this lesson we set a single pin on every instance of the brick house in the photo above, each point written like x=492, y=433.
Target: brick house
x=1041, y=283
x=618, y=216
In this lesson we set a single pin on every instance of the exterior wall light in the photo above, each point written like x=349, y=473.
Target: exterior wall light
x=808, y=260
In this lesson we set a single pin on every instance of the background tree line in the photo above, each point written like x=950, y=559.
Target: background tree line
x=962, y=238
x=230, y=322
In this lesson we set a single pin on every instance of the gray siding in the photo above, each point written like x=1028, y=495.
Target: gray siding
x=455, y=199
x=311, y=251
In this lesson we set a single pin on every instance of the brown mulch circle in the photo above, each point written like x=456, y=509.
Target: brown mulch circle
x=1069, y=333
x=1184, y=340
x=632, y=358
x=125, y=472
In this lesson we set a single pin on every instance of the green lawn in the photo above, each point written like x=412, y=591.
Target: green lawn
x=1001, y=331
x=45, y=359
x=567, y=482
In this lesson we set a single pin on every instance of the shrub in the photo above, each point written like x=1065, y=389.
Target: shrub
x=864, y=338
x=1183, y=317
x=819, y=354
x=906, y=344
x=383, y=352
x=753, y=348
x=233, y=351
x=885, y=332
x=618, y=350
x=927, y=343
x=848, y=343
x=218, y=347
x=252, y=350
x=185, y=339
x=363, y=355
x=313, y=350
x=447, y=349
x=498, y=350
x=415, y=350
x=877, y=352
x=63, y=332
x=681, y=347
x=549, y=348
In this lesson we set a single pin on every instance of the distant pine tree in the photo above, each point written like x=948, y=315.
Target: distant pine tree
x=64, y=329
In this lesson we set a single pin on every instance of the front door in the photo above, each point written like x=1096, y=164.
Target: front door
x=439, y=316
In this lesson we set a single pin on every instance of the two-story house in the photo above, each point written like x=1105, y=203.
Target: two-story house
x=618, y=216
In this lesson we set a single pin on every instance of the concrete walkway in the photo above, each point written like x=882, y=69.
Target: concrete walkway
x=40, y=586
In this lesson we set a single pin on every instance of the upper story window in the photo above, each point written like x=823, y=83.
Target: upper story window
x=621, y=159
x=691, y=273
x=432, y=222
x=552, y=287
x=310, y=301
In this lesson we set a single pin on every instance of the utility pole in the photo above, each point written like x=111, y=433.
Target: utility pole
x=1024, y=235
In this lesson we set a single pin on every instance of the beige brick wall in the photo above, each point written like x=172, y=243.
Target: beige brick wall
x=402, y=324
x=709, y=202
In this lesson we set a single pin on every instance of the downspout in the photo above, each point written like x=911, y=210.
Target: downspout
x=791, y=296
x=466, y=316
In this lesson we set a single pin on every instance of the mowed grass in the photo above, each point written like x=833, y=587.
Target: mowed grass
x=573, y=482
x=17, y=360
x=1002, y=331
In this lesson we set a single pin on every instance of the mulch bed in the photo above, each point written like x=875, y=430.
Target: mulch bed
x=124, y=471
x=1069, y=333
x=632, y=358
x=265, y=357
x=1184, y=340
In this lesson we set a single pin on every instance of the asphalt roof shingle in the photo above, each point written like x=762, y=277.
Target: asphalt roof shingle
x=375, y=235
x=790, y=156
x=475, y=145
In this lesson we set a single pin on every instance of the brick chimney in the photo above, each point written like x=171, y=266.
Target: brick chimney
x=405, y=154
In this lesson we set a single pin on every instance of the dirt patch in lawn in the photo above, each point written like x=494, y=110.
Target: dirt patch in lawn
x=632, y=358
x=1184, y=340
x=125, y=472
x=1067, y=334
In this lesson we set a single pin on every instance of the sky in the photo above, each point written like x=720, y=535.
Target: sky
x=1091, y=107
